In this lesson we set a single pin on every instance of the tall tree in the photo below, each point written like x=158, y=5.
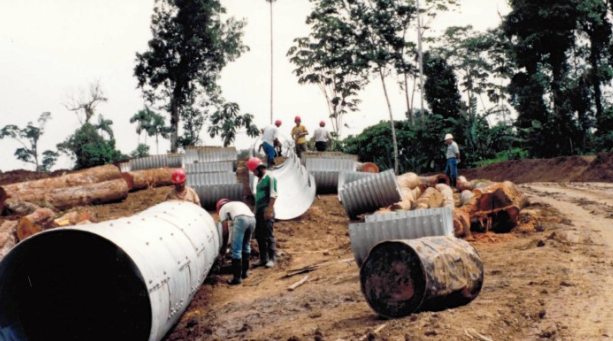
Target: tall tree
x=271, y=60
x=542, y=34
x=85, y=103
x=441, y=89
x=191, y=44
x=326, y=58
x=29, y=137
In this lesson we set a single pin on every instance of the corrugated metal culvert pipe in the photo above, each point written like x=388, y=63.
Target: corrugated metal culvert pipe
x=370, y=194
x=401, y=277
x=401, y=225
x=125, y=279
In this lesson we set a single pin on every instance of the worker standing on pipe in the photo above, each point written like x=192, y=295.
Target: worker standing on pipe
x=453, y=158
x=265, y=197
x=181, y=192
x=322, y=138
x=270, y=138
x=299, y=133
x=243, y=226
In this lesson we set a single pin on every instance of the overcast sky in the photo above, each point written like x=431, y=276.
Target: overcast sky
x=51, y=49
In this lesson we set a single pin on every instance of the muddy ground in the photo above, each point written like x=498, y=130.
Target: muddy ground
x=550, y=281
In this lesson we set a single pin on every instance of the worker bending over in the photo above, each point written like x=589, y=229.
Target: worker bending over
x=299, y=133
x=453, y=158
x=270, y=138
x=265, y=197
x=322, y=138
x=181, y=192
x=242, y=227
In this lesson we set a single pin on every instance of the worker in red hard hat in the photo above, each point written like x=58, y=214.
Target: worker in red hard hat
x=242, y=222
x=299, y=133
x=265, y=197
x=322, y=138
x=270, y=139
x=181, y=192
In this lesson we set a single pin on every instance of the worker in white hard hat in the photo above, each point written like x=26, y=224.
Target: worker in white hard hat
x=453, y=158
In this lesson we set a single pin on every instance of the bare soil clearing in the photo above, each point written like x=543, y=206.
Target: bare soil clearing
x=550, y=284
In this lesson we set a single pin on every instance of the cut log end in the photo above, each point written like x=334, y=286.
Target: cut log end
x=393, y=281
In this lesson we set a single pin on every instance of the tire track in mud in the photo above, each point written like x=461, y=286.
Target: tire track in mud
x=586, y=306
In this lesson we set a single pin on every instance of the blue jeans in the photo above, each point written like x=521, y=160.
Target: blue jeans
x=270, y=154
x=451, y=170
x=242, y=229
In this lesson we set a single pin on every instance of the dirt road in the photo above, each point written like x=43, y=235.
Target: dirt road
x=589, y=207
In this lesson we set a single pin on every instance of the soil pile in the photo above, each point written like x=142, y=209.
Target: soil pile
x=563, y=169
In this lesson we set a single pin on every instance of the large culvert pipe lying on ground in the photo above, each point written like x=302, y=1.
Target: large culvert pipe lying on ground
x=326, y=171
x=370, y=194
x=125, y=279
x=400, y=277
x=156, y=161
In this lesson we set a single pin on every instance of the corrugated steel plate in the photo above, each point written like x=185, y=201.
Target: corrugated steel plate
x=402, y=225
x=347, y=177
x=313, y=164
x=209, y=167
x=210, y=194
x=201, y=179
x=370, y=194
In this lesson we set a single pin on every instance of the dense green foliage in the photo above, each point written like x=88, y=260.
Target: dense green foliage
x=191, y=44
x=28, y=137
x=89, y=149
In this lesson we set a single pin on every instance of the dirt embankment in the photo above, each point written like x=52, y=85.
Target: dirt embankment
x=563, y=169
x=22, y=175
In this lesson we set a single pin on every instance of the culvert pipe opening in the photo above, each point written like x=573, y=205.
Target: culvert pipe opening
x=72, y=285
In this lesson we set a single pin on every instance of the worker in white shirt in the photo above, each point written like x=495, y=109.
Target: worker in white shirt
x=243, y=227
x=270, y=138
x=322, y=138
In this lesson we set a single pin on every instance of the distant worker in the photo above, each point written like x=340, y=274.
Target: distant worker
x=453, y=158
x=322, y=138
x=299, y=133
x=265, y=197
x=270, y=138
x=243, y=227
x=182, y=192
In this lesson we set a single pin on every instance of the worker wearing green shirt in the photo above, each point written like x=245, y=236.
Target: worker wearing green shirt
x=265, y=197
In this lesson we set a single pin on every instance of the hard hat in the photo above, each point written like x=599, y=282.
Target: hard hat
x=221, y=203
x=322, y=123
x=278, y=123
x=178, y=176
x=448, y=137
x=297, y=119
x=253, y=163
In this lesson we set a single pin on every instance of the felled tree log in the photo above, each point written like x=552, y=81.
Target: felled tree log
x=8, y=237
x=409, y=197
x=73, y=218
x=412, y=181
x=20, y=208
x=431, y=198
x=151, y=178
x=462, y=216
x=99, y=193
x=403, y=276
x=3, y=197
x=31, y=190
x=447, y=193
x=408, y=180
x=432, y=181
x=34, y=223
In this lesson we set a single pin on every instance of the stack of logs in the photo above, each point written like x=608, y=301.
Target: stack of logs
x=490, y=205
x=38, y=202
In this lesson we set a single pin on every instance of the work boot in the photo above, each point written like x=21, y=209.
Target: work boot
x=236, y=271
x=272, y=250
x=246, y=259
x=263, y=255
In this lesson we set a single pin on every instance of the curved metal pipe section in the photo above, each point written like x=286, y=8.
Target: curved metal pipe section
x=203, y=179
x=209, y=167
x=402, y=225
x=370, y=194
x=295, y=187
x=326, y=171
x=125, y=279
x=204, y=154
x=210, y=194
x=157, y=161
x=347, y=177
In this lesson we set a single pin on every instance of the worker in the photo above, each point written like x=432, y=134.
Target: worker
x=181, y=192
x=453, y=158
x=322, y=138
x=265, y=197
x=299, y=133
x=270, y=138
x=242, y=227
